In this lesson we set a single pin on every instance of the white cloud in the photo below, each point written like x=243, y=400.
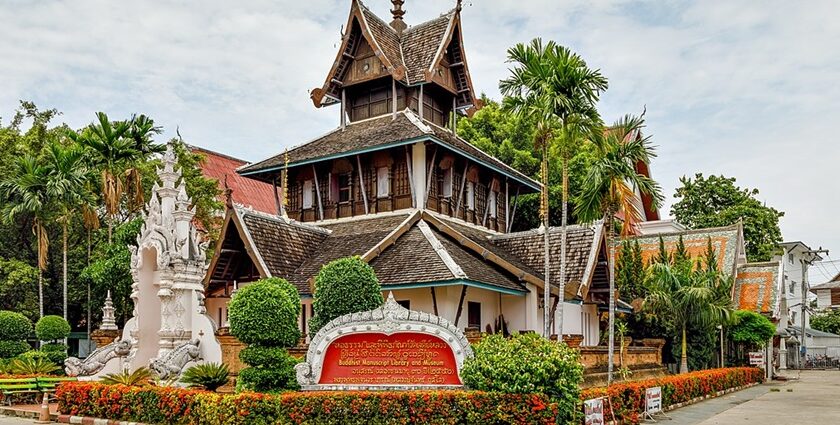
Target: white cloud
x=740, y=88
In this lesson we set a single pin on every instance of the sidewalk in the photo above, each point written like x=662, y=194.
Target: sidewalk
x=812, y=399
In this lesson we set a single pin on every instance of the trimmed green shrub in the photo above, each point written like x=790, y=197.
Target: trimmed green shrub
x=209, y=376
x=11, y=349
x=14, y=326
x=343, y=286
x=751, y=328
x=526, y=364
x=269, y=379
x=52, y=328
x=56, y=353
x=256, y=355
x=266, y=312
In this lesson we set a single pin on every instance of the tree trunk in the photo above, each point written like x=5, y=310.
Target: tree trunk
x=563, y=219
x=611, y=348
x=547, y=282
x=40, y=293
x=88, y=294
x=684, y=354
x=64, y=267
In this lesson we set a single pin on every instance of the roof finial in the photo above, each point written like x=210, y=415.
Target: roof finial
x=398, y=23
x=458, y=6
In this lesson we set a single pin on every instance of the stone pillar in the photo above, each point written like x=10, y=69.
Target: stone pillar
x=230, y=357
x=782, y=353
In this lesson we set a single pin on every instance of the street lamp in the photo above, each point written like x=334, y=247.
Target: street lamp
x=720, y=328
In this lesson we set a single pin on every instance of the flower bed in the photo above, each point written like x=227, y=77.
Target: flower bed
x=181, y=406
x=628, y=399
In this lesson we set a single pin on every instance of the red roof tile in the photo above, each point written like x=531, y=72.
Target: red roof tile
x=247, y=192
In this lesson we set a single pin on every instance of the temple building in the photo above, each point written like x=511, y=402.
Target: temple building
x=394, y=184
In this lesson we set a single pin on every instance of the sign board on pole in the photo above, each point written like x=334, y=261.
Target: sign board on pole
x=653, y=400
x=593, y=411
x=757, y=358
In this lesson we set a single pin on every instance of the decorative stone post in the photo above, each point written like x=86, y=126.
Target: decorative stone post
x=108, y=330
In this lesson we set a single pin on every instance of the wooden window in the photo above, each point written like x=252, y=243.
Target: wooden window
x=406, y=304
x=303, y=329
x=473, y=314
x=446, y=183
x=307, y=194
x=345, y=187
x=383, y=182
x=470, y=196
x=493, y=205
x=374, y=102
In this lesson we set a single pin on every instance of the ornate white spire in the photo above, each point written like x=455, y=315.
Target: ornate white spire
x=109, y=322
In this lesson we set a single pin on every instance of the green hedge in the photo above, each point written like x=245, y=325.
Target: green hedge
x=12, y=349
x=343, y=286
x=180, y=406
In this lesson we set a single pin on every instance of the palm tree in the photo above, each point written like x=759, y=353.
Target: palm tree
x=114, y=153
x=141, y=130
x=691, y=297
x=609, y=193
x=553, y=86
x=24, y=194
x=66, y=178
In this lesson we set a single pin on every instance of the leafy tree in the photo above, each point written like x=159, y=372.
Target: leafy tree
x=694, y=299
x=717, y=201
x=827, y=321
x=344, y=286
x=67, y=179
x=19, y=288
x=112, y=152
x=14, y=330
x=609, y=193
x=751, y=329
x=553, y=86
x=24, y=194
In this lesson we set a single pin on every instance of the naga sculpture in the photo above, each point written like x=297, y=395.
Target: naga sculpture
x=172, y=364
x=96, y=360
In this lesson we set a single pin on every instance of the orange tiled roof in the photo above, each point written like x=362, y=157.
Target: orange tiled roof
x=247, y=192
x=756, y=287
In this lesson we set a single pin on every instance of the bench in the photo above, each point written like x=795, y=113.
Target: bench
x=12, y=386
x=39, y=385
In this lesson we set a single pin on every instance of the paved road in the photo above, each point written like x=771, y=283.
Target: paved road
x=5, y=420
x=810, y=400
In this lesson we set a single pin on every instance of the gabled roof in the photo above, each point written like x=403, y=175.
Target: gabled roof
x=381, y=133
x=244, y=191
x=406, y=249
x=582, y=252
x=757, y=288
x=728, y=243
x=834, y=283
x=409, y=57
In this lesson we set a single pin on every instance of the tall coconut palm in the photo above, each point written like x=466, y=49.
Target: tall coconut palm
x=141, y=130
x=24, y=194
x=690, y=297
x=609, y=193
x=554, y=87
x=114, y=153
x=66, y=181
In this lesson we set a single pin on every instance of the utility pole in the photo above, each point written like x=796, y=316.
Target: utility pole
x=811, y=255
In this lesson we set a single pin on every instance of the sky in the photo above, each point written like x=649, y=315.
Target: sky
x=745, y=89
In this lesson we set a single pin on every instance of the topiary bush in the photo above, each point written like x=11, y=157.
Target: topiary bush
x=344, y=286
x=266, y=313
x=12, y=349
x=526, y=364
x=14, y=326
x=52, y=328
x=55, y=352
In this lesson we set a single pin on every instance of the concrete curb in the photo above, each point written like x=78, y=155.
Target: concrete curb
x=27, y=414
x=708, y=396
x=87, y=420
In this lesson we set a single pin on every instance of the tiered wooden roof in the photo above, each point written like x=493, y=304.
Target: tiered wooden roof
x=410, y=56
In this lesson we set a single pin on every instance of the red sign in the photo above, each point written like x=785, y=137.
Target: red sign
x=405, y=358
